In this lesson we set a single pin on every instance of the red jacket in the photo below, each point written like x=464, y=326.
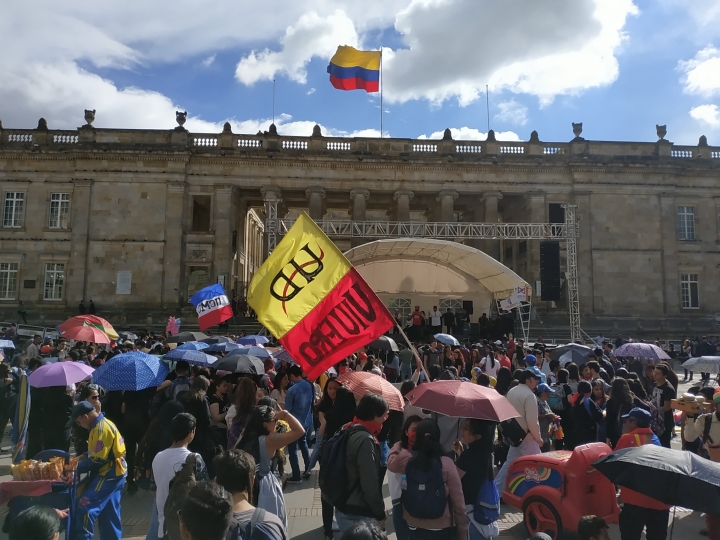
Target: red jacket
x=638, y=437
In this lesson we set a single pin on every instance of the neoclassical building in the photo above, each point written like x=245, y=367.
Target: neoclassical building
x=137, y=220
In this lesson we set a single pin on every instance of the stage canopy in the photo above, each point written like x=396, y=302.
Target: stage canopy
x=436, y=267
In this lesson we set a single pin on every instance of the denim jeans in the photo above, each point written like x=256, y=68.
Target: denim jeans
x=528, y=447
x=345, y=521
x=294, y=462
x=152, y=533
x=315, y=456
x=405, y=373
x=402, y=532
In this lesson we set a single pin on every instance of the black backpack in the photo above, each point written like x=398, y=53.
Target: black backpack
x=423, y=491
x=333, y=472
x=512, y=432
x=255, y=529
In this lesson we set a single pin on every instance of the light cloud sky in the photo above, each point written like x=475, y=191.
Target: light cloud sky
x=709, y=114
x=701, y=75
x=512, y=112
x=472, y=134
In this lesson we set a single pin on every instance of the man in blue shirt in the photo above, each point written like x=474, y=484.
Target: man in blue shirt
x=299, y=402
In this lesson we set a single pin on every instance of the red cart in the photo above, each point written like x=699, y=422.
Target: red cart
x=555, y=489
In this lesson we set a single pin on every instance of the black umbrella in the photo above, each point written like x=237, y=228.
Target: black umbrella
x=384, y=343
x=671, y=476
x=182, y=337
x=240, y=363
x=216, y=339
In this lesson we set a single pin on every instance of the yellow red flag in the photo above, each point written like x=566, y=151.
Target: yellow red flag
x=312, y=299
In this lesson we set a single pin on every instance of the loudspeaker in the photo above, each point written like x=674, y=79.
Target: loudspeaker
x=550, y=271
x=468, y=306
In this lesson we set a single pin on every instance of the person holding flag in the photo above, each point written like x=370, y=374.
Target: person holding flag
x=309, y=296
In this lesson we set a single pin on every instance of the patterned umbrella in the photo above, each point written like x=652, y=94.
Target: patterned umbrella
x=642, y=350
x=193, y=346
x=363, y=382
x=224, y=347
x=253, y=340
x=86, y=333
x=90, y=320
x=22, y=416
x=60, y=374
x=131, y=371
x=196, y=358
x=257, y=352
x=703, y=364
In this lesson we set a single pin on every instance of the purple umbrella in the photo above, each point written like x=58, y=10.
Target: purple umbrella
x=60, y=374
x=641, y=350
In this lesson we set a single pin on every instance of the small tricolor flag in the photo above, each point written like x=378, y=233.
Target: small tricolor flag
x=212, y=306
x=313, y=300
x=351, y=69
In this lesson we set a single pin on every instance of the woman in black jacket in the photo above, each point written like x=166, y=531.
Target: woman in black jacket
x=587, y=415
x=196, y=403
x=621, y=401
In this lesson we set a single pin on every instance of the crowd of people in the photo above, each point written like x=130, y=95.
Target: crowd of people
x=219, y=449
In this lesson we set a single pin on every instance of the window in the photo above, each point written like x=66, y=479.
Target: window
x=402, y=305
x=201, y=213
x=54, y=281
x=689, y=291
x=14, y=207
x=686, y=223
x=508, y=253
x=454, y=305
x=59, y=210
x=8, y=281
x=522, y=247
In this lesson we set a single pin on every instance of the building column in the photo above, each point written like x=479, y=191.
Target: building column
x=76, y=275
x=447, y=205
x=173, y=255
x=670, y=274
x=584, y=249
x=315, y=196
x=359, y=198
x=538, y=214
x=223, y=234
x=403, y=198
x=491, y=198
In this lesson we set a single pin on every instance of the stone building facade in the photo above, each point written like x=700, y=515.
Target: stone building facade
x=136, y=220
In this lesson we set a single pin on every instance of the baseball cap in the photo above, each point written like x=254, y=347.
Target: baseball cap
x=531, y=360
x=80, y=409
x=641, y=416
x=528, y=373
x=542, y=387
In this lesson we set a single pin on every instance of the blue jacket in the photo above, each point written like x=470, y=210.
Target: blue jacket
x=299, y=402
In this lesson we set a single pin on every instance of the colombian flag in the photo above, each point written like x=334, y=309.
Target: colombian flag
x=351, y=69
x=312, y=299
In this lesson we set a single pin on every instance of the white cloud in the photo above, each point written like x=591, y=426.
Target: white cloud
x=209, y=60
x=512, y=112
x=710, y=114
x=455, y=47
x=311, y=92
x=702, y=73
x=312, y=35
x=472, y=134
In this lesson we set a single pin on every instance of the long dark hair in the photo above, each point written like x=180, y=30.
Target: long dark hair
x=573, y=372
x=326, y=402
x=583, y=389
x=427, y=444
x=341, y=412
x=620, y=393
x=254, y=429
x=158, y=437
x=504, y=378
x=244, y=402
x=486, y=430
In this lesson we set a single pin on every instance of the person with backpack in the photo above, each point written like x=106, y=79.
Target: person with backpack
x=475, y=468
x=350, y=480
x=206, y=513
x=407, y=440
x=432, y=493
x=182, y=382
x=261, y=441
x=588, y=415
x=168, y=463
x=236, y=473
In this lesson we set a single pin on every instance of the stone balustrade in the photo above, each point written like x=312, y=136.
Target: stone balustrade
x=88, y=137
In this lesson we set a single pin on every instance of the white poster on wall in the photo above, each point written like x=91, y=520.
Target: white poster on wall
x=123, y=285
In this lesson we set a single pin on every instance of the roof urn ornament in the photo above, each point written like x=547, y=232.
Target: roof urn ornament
x=661, y=131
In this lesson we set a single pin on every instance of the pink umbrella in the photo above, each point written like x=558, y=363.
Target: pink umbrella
x=462, y=400
x=362, y=382
x=60, y=374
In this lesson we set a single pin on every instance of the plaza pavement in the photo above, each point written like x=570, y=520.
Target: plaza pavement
x=304, y=510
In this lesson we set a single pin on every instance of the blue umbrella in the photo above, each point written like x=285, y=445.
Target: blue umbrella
x=446, y=339
x=223, y=347
x=192, y=346
x=257, y=352
x=131, y=371
x=195, y=358
x=253, y=340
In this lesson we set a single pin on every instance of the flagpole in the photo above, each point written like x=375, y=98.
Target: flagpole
x=273, y=104
x=381, y=95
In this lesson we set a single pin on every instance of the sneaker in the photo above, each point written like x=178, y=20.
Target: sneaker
x=294, y=481
x=306, y=475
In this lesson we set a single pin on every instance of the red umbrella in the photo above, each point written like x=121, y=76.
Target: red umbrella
x=86, y=333
x=362, y=382
x=462, y=400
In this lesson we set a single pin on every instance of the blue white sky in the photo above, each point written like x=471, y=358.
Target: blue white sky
x=618, y=66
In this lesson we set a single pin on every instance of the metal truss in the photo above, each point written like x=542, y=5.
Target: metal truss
x=448, y=231
x=573, y=293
